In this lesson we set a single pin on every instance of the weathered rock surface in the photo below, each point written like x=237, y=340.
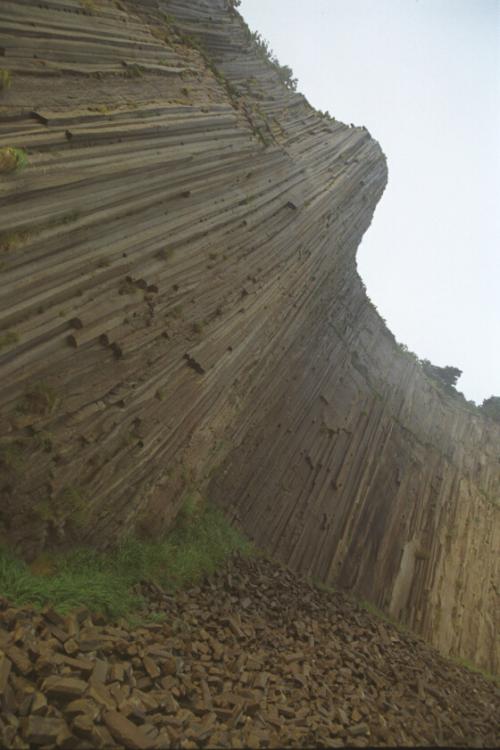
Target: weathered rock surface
x=253, y=657
x=180, y=307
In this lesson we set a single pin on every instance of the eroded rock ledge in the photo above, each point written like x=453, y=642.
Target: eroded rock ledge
x=180, y=308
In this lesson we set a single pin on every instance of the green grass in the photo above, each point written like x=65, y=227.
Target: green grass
x=5, y=79
x=165, y=253
x=372, y=609
x=133, y=71
x=199, y=543
x=13, y=159
x=321, y=586
x=477, y=670
x=12, y=240
x=89, y=5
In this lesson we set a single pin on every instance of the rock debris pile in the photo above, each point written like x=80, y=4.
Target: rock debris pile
x=253, y=657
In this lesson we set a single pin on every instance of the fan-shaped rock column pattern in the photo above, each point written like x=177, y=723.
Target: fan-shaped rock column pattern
x=180, y=309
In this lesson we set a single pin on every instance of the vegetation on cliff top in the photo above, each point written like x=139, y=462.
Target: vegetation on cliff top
x=200, y=541
x=284, y=72
x=445, y=377
x=491, y=407
x=262, y=46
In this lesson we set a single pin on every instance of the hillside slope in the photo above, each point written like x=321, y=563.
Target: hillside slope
x=180, y=308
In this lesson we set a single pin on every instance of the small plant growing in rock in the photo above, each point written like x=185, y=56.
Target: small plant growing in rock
x=5, y=79
x=12, y=159
x=133, y=71
x=89, y=5
x=165, y=253
x=70, y=217
x=12, y=240
x=285, y=73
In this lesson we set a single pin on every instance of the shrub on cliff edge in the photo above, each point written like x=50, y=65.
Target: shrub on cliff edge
x=491, y=407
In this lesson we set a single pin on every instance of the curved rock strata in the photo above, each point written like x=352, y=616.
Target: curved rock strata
x=180, y=308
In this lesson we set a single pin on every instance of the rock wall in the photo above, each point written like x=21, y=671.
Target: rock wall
x=180, y=308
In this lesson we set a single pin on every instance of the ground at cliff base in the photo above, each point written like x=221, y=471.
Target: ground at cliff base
x=198, y=543
x=252, y=656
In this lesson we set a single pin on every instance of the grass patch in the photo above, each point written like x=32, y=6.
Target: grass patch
x=369, y=607
x=70, y=506
x=5, y=79
x=12, y=240
x=199, y=543
x=477, y=670
x=102, y=109
x=372, y=609
x=321, y=586
x=70, y=217
x=89, y=5
x=405, y=630
x=12, y=159
x=165, y=253
x=133, y=71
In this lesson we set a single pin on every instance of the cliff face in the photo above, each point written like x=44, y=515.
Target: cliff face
x=180, y=309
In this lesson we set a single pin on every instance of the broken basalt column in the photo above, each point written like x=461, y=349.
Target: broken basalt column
x=180, y=308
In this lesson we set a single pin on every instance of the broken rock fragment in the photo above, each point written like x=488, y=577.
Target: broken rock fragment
x=43, y=731
x=125, y=732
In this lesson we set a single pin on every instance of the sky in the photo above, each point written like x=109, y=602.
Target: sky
x=424, y=77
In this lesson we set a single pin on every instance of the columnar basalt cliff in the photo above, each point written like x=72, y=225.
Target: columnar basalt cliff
x=180, y=309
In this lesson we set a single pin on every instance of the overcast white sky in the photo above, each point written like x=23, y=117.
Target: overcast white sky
x=424, y=77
